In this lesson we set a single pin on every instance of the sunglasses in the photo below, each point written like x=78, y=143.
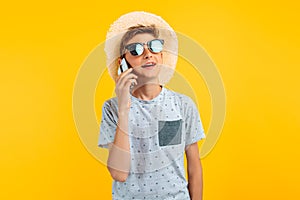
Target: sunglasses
x=137, y=49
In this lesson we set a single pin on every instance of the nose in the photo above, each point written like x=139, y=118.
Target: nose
x=147, y=53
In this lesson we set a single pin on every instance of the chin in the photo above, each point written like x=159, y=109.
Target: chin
x=143, y=79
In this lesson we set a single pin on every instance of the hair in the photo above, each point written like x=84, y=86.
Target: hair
x=135, y=30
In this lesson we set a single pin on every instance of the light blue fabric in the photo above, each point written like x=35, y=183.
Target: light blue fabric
x=159, y=130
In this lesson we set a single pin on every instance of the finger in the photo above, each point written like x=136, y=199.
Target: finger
x=133, y=81
x=125, y=73
x=122, y=74
x=126, y=78
x=130, y=83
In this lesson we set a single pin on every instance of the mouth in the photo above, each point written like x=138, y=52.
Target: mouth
x=149, y=65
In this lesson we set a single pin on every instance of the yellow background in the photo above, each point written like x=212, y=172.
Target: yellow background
x=255, y=45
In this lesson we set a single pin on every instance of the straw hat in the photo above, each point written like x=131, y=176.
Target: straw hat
x=120, y=27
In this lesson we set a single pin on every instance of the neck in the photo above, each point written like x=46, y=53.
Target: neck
x=147, y=91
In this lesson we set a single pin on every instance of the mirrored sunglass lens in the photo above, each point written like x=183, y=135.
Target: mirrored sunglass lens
x=139, y=49
x=156, y=46
x=136, y=49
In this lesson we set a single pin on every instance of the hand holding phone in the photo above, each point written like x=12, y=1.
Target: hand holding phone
x=124, y=66
x=125, y=84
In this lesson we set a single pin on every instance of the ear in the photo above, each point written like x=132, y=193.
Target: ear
x=119, y=60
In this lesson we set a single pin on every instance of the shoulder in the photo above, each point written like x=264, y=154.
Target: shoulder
x=183, y=99
x=111, y=104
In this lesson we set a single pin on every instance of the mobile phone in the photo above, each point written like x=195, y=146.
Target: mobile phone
x=124, y=66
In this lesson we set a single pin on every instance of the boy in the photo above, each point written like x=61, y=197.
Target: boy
x=146, y=127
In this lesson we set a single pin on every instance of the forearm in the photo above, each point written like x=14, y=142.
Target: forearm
x=195, y=173
x=118, y=162
x=195, y=184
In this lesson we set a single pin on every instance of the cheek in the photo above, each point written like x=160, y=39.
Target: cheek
x=135, y=63
x=160, y=58
x=132, y=61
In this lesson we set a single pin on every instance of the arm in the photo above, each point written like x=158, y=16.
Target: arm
x=194, y=169
x=118, y=162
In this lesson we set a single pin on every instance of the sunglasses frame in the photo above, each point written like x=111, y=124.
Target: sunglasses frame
x=127, y=47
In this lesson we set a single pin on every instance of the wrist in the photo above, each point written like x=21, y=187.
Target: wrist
x=123, y=112
x=123, y=109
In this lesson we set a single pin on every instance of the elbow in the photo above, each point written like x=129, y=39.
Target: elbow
x=120, y=178
x=117, y=175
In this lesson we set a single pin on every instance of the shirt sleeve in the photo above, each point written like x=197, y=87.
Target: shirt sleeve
x=108, y=125
x=193, y=123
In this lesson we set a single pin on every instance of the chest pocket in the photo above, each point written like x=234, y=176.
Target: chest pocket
x=170, y=132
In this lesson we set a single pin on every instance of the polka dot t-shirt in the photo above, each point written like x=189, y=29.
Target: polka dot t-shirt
x=159, y=131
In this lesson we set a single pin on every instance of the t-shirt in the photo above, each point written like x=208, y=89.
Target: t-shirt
x=159, y=131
